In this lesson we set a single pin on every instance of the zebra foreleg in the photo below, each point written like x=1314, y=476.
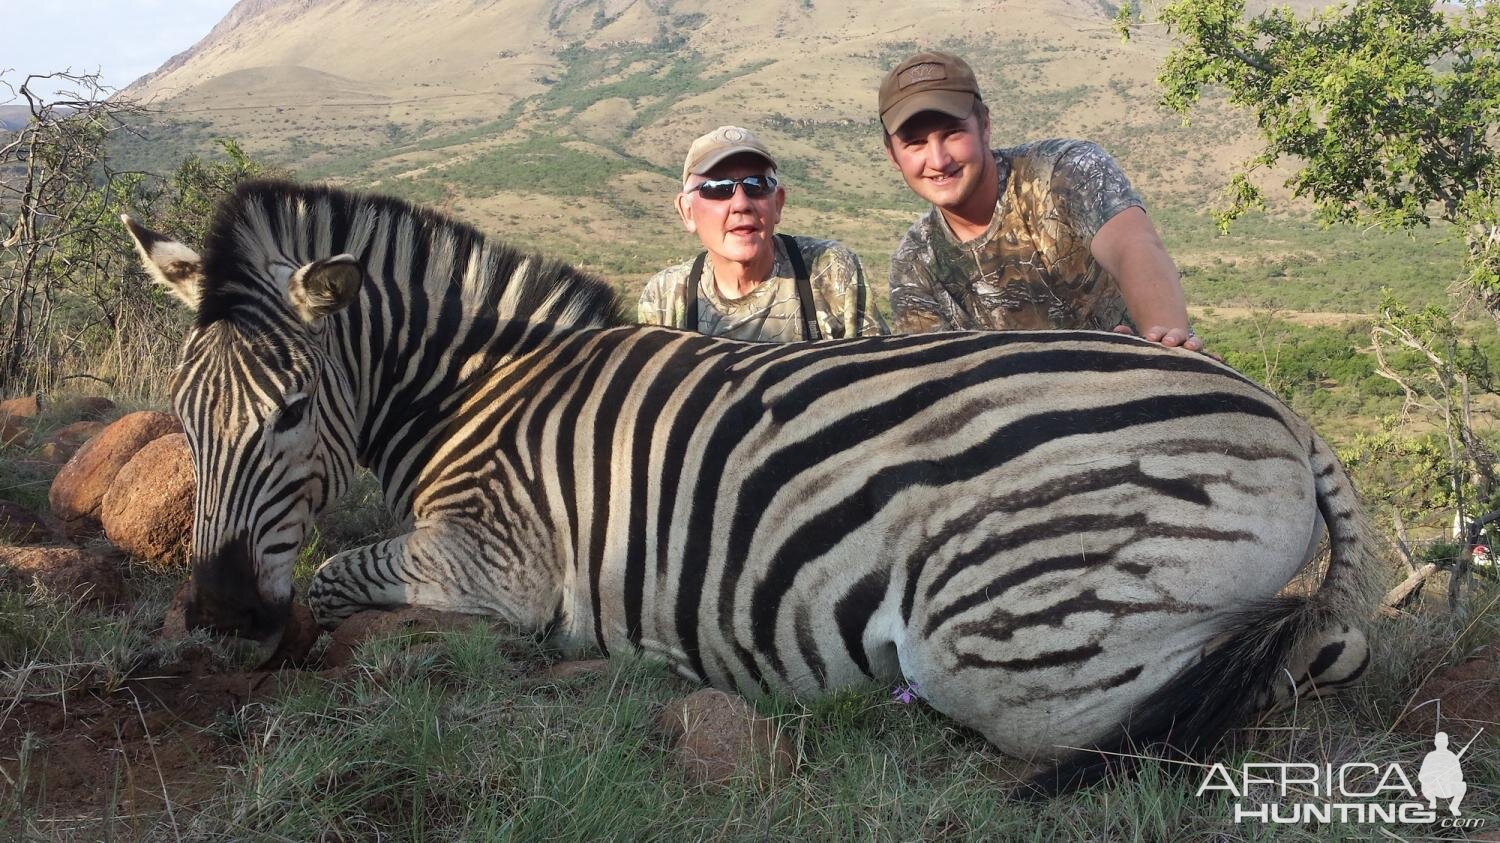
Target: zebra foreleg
x=438, y=567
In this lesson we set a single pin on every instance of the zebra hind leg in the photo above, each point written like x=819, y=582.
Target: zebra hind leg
x=1185, y=718
x=1330, y=659
x=435, y=567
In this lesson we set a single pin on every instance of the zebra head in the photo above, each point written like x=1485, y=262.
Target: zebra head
x=262, y=410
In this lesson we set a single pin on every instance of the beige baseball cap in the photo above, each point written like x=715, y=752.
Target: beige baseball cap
x=707, y=151
x=929, y=81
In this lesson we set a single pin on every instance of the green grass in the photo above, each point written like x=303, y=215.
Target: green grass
x=157, y=143
x=25, y=482
x=363, y=164
x=541, y=165
x=652, y=76
x=51, y=647
x=454, y=736
x=24, y=478
x=1292, y=263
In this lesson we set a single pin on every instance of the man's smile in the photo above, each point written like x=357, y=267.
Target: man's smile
x=944, y=178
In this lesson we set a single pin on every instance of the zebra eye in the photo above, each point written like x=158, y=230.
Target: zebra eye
x=291, y=415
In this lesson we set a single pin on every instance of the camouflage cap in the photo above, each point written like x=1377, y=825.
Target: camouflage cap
x=927, y=82
x=709, y=150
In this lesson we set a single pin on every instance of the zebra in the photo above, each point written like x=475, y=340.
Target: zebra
x=1072, y=542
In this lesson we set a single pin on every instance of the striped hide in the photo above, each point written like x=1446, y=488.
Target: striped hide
x=1064, y=539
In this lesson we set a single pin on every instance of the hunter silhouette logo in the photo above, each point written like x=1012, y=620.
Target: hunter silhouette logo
x=1354, y=792
x=1441, y=776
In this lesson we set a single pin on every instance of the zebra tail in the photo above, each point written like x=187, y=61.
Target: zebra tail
x=1189, y=715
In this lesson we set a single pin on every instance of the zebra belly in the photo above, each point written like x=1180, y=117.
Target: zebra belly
x=834, y=626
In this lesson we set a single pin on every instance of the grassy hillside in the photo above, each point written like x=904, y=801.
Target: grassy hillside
x=560, y=126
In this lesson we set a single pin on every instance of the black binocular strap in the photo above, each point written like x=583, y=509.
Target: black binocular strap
x=804, y=290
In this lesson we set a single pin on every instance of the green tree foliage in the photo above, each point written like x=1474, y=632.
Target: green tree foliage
x=1396, y=471
x=73, y=300
x=1387, y=109
x=1386, y=114
x=58, y=201
x=184, y=202
x=1440, y=374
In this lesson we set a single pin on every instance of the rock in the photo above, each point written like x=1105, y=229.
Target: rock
x=65, y=441
x=85, y=407
x=14, y=430
x=373, y=623
x=148, y=510
x=1469, y=694
x=78, y=491
x=568, y=670
x=63, y=571
x=719, y=737
x=297, y=640
x=25, y=407
x=19, y=525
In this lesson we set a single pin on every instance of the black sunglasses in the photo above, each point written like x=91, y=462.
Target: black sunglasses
x=721, y=189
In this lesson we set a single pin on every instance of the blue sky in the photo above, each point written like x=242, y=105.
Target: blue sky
x=123, y=40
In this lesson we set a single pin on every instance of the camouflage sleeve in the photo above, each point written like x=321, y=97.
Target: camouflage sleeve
x=1090, y=188
x=915, y=303
x=864, y=310
x=663, y=301
x=838, y=280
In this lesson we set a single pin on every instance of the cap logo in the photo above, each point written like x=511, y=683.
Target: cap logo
x=924, y=72
x=732, y=135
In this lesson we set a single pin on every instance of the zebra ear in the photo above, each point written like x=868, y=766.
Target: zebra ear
x=325, y=286
x=169, y=263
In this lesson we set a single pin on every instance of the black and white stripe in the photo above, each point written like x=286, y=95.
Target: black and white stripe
x=1046, y=530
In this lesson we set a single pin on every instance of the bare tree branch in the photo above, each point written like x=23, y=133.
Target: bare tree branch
x=1403, y=593
x=1401, y=543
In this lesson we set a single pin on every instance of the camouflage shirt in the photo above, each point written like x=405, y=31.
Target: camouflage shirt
x=1032, y=268
x=771, y=311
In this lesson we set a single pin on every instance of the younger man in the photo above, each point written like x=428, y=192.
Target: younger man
x=1045, y=235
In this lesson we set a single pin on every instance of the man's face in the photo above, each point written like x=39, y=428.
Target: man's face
x=943, y=159
x=740, y=228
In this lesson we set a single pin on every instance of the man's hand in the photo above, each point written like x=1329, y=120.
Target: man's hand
x=1171, y=338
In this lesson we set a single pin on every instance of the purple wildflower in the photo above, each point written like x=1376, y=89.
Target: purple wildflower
x=906, y=692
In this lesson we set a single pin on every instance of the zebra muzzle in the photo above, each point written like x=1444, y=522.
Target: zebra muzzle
x=225, y=598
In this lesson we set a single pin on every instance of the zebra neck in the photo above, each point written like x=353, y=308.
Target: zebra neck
x=408, y=393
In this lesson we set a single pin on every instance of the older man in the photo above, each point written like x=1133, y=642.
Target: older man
x=750, y=283
x=1044, y=235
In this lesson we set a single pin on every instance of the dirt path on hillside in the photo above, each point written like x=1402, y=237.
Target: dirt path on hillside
x=1309, y=318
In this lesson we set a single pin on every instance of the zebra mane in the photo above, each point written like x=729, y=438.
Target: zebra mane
x=269, y=224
